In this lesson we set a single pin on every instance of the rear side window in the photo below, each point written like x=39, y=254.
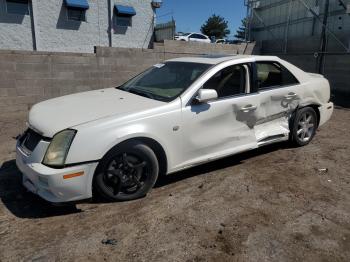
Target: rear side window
x=273, y=74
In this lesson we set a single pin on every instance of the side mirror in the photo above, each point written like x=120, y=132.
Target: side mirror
x=204, y=95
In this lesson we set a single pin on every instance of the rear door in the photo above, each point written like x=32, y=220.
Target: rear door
x=279, y=94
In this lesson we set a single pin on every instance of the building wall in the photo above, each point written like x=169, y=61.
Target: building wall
x=141, y=31
x=15, y=30
x=54, y=32
x=274, y=14
x=299, y=41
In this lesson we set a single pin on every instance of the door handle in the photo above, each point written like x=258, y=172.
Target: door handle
x=290, y=96
x=248, y=108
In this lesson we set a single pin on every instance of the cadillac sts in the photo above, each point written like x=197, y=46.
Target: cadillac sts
x=177, y=114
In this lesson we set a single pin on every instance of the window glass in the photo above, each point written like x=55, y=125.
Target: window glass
x=230, y=81
x=194, y=36
x=202, y=37
x=123, y=20
x=166, y=81
x=272, y=74
x=76, y=14
x=20, y=7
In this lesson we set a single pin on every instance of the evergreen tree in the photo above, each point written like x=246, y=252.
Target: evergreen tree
x=215, y=26
x=240, y=34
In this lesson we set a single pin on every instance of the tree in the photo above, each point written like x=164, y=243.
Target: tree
x=240, y=34
x=215, y=26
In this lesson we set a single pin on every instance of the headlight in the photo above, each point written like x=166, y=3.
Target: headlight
x=58, y=149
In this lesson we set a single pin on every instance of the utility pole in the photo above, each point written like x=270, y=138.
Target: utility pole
x=286, y=29
x=323, y=39
x=247, y=22
x=110, y=10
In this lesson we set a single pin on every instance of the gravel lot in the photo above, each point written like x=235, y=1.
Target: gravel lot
x=271, y=204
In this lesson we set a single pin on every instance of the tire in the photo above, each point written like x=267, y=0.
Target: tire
x=303, y=127
x=127, y=172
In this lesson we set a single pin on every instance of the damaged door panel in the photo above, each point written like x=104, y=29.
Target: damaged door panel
x=220, y=127
x=280, y=95
x=226, y=124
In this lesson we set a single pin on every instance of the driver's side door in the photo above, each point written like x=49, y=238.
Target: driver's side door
x=224, y=125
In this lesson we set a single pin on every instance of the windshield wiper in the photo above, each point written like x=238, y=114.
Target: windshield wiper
x=140, y=93
x=144, y=93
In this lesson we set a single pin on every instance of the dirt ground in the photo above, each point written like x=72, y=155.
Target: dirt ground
x=271, y=204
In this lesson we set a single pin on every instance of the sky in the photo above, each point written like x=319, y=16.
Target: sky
x=191, y=14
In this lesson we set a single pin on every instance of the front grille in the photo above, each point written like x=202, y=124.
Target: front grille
x=30, y=139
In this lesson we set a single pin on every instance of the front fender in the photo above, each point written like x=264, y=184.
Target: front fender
x=94, y=140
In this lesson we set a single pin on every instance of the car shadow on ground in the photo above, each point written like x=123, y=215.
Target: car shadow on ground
x=23, y=204
x=219, y=164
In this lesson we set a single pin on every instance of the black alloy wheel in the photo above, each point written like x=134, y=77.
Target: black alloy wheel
x=127, y=172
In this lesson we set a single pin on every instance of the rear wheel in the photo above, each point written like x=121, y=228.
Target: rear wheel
x=127, y=172
x=304, y=126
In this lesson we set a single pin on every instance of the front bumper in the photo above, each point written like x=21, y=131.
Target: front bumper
x=49, y=183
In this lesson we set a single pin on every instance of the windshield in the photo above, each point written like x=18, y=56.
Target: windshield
x=166, y=81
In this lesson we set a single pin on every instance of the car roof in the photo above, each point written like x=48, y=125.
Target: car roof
x=219, y=58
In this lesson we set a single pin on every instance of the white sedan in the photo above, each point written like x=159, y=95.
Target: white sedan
x=175, y=115
x=196, y=37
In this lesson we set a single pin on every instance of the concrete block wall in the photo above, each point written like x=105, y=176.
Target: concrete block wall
x=28, y=77
x=202, y=48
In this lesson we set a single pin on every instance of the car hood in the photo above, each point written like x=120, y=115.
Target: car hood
x=54, y=115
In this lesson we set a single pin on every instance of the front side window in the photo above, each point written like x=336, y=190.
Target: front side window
x=165, y=82
x=272, y=74
x=76, y=14
x=230, y=81
x=19, y=7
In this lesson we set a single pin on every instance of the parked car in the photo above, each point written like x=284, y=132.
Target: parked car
x=229, y=42
x=197, y=37
x=235, y=42
x=221, y=41
x=175, y=115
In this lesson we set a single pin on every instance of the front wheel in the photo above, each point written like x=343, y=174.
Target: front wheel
x=127, y=172
x=304, y=126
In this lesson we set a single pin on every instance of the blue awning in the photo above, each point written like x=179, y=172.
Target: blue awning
x=81, y=4
x=125, y=10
